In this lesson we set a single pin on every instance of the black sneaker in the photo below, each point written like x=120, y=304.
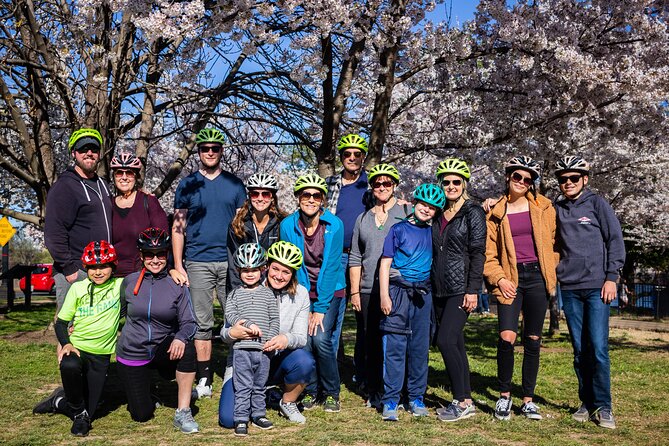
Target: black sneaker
x=241, y=429
x=331, y=404
x=81, y=425
x=262, y=423
x=309, y=402
x=48, y=404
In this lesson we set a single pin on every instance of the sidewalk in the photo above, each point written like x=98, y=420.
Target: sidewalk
x=617, y=322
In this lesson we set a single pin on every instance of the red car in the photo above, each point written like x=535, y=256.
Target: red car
x=41, y=279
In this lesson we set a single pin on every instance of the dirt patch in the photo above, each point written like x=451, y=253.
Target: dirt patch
x=32, y=337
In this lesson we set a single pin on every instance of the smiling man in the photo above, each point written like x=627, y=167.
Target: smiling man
x=78, y=210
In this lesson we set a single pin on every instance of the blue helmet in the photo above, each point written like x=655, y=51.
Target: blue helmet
x=431, y=194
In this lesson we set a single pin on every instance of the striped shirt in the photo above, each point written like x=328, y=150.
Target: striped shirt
x=256, y=306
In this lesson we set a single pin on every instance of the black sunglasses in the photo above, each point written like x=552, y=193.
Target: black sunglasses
x=573, y=178
x=446, y=183
x=380, y=184
x=350, y=153
x=518, y=178
x=306, y=196
x=215, y=149
x=85, y=149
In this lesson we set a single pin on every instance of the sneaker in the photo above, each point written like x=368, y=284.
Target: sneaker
x=331, y=404
x=309, y=402
x=241, y=429
x=581, y=415
x=530, y=410
x=290, y=411
x=390, y=412
x=48, y=404
x=417, y=408
x=81, y=425
x=503, y=408
x=455, y=412
x=262, y=423
x=604, y=418
x=183, y=420
x=202, y=389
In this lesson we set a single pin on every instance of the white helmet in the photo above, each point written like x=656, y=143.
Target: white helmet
x=250, y=255
x=523, y=163
x=262, y=181
x=572, y=164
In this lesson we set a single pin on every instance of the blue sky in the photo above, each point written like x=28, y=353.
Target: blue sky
x=459, y=11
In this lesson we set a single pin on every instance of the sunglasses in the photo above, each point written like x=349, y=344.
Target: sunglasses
x=518, y=178
x=256, y=193
x=162, y=255
x=380, y=184
x=573, y=178
x=306, y=196
x=207, y=149
x=350, y=153
x=85, y=149
x=122, y=173
x=446, y=183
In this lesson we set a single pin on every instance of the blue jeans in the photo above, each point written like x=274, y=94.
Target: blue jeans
x=341, y=302
x=588, y=322
x=325, y=379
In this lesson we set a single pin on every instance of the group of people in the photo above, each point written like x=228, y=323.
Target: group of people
x=412, y=272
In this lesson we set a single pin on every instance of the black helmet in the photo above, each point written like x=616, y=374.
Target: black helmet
x=154, y=240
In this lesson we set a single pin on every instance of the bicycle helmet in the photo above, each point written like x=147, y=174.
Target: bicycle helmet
x=431, y=194
x=310, y=180
x=125, y=160
x=453, y=166
x=286, y=254
x=99, y=253
x=262, y=181
x=154, y=240
x=523, y=163
x=250, y=255
x=383, y=169
x=572, y=164
x=84, y=137
x=353, y=141
x=210, y=135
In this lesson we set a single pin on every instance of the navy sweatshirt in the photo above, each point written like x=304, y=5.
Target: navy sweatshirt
x=590, y=241
x=78, y=211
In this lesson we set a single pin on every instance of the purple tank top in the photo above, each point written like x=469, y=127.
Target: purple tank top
x=523, y=241
x=314, y=247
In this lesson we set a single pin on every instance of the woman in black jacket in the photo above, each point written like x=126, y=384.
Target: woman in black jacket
x=256, y=222
x=458, y=255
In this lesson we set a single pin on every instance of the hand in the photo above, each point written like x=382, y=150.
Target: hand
x=182, y=271
x=66, y=350
x=278, y=342
x=315, y=321
x=386, y=305
x=255, y=330
x=72, y=277
x=176, y=349
x=239, y=331
x=355, y=301
x=507, y=288
x=488, y=203
x=179, y=278
x=608, y=291
x=469, y=302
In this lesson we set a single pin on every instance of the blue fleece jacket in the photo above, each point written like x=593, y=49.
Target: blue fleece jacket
x=590, y=241
x=331, y=276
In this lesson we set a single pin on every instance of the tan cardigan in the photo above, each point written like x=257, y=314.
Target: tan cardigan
x=500, y=251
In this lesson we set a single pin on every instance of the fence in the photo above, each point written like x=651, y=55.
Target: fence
x=646, y=299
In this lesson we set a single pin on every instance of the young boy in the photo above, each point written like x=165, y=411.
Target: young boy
x=256, y=305
x=406, y=303
x=93, y=308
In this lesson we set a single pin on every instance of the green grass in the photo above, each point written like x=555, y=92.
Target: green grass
x=28, y=371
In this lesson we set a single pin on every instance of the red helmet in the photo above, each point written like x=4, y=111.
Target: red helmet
x=153, y=240
x=125, y=160
x=99, y=253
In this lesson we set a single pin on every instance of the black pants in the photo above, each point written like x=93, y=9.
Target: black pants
x=368, y=354
x=532, y=300
x=83, y=380
x=137, y=379
x=450, y=340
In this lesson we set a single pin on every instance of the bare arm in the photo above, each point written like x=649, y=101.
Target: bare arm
x=355, y=274
x=384, y=284
x=178, y=238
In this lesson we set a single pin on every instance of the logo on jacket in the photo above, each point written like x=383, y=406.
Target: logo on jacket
x=584, y=221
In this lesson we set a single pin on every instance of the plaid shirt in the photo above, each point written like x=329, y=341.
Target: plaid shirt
x=334, y=188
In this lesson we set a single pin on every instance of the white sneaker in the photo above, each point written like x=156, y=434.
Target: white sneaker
x=202, y=389
x=290, y=411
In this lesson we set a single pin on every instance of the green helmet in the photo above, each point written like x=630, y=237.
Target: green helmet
x=453, y=166
x=286, y=254
x=250, y=255
x=210, y=135
x=353, y=141
x=310, y=180
x=83, y=137
x=383, y=169
x=431, y=194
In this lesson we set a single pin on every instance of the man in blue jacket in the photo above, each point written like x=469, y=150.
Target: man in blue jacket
x=592, y=252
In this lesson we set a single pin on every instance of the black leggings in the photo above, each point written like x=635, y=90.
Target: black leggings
x=532, y=300
x=368, y=356
x=137, y=379
x=450, y=340
x=83, y=380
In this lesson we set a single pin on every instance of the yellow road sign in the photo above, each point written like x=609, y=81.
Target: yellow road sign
x=7, y=231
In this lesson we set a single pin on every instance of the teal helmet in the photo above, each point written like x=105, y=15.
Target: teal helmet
x=431, y=194
x=250, y=255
